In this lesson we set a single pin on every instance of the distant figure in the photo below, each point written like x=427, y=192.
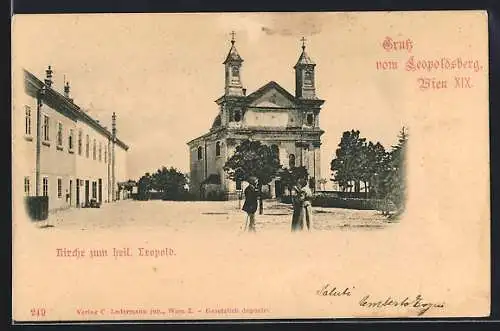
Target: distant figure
x=306, y=197
x=298, y=215
x=301, y=200
x=250, y=204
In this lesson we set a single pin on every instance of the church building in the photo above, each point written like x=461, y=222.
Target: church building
x=287, y=122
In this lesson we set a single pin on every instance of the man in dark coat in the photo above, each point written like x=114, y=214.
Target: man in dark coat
x=250, y=205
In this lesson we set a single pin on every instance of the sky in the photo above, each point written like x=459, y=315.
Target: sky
x=161, y=73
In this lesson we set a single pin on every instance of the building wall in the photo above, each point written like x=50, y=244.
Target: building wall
x=120, y=167
x=61, y=165
x=57, y=161
x=89, y=169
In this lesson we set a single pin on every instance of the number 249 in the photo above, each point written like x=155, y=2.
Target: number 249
x=38, y=312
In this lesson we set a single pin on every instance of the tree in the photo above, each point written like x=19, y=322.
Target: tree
x=373, y=167
x=289, y=176
x=252, y=158
x=322, y=182
x=144, y=187
x=395, y=179
x=170, y=182
x=349, y=161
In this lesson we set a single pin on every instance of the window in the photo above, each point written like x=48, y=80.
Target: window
x=45, y=187
x=200, y=153
x=217, y=148
x=94, y=150
x=70, y=140
x=100, y=152
x=238, y=185
x=235, y=73
x=79, y=142
x=291, y=161
x=59, y=188
x=45, y=129
x=310, y=119
x=87, y=146
x=237, y=116
x=94, y=190
x=59, y=134
x=275, y=152
x=308, y=78
x=105, y=153
x=27, y=186
x=27, y=121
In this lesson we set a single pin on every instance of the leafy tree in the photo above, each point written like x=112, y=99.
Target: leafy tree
x=170, y=182
x=350, y=159
x=395, y=179
x=144, y=186
x=374, y=167
x=322, y=182
x=252, y=158
x=289, y=176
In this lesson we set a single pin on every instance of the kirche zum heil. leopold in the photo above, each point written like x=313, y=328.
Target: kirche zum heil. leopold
x=272, y=115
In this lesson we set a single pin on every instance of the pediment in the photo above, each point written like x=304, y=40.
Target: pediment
x=271, y=95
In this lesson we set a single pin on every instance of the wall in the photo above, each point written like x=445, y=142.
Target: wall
x=56, y=161
x=88, y=169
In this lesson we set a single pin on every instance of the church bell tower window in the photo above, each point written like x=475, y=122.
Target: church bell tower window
x=237, y=116
x=200, y=153
x=310, y=119
x=217, y=148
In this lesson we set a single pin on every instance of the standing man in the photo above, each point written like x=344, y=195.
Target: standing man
x=250, y=205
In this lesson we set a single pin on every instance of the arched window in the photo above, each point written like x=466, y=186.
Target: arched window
x=237, y=116
x=291, y=161
x=310, y=119
x=308, y=78
x=200, y=153
x=217, y=148
x=275, y=151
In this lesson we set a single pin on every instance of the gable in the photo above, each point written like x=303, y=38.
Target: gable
x=271, y=95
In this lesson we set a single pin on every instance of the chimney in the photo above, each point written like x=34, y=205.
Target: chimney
x=48, y=79
x=113, y=125
x=66, y=90
x=244, y=91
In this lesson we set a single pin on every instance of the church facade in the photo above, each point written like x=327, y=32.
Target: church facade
x=272, y=115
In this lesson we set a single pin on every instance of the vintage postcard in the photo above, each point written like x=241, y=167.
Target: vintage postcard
x=250, y=166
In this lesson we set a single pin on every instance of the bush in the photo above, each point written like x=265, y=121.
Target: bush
x=322, y=200
x=362, y=204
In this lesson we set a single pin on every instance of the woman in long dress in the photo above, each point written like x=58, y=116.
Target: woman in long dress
x=298, y=210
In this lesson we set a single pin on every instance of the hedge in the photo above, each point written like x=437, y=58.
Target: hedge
x=348, y=203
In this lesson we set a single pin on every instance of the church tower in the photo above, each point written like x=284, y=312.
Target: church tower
x=304, y=75
x=233, y=62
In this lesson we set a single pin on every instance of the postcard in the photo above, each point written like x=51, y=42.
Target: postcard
x=221, y=166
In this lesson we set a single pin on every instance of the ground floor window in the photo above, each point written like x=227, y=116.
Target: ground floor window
x=27, y=186
x=45, y=186
x=94, y=190
x=59, y=188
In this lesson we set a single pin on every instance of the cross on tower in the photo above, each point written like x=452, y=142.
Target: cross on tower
x=303, y=42
x=232, y=37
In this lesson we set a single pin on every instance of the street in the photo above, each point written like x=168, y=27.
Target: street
x=214, y=215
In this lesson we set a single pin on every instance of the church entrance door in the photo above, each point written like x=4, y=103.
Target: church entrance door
x=278, y=188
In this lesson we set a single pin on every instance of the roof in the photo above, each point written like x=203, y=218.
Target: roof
x=233, y=55
x=304, y=59
x=272, y=84
x=217, y=122
x=68, y=108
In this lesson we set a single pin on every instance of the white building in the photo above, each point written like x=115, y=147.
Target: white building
x=66, y=155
